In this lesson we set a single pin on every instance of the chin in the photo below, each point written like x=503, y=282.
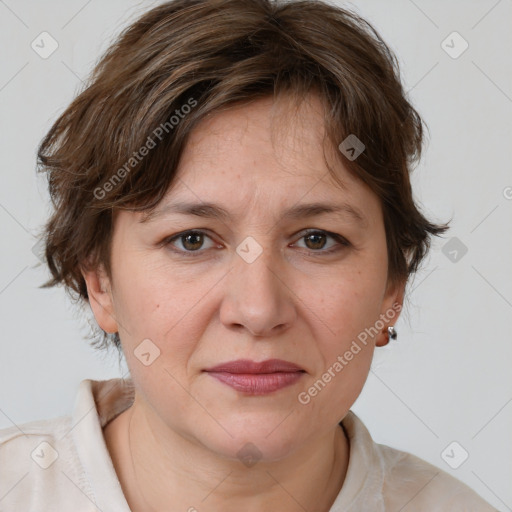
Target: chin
x=254, y=441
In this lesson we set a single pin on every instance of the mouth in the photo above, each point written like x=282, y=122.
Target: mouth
x=257, y=378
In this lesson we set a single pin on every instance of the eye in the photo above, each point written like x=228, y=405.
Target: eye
x=316, y=241
x=190, y=241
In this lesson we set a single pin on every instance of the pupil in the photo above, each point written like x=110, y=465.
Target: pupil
x=317, y=236
x=193, y=241
x=198, y=241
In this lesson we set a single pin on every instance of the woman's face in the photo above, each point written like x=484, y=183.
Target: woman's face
x=251, y=285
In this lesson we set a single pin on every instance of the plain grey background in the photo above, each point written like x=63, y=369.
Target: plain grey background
x=447, y=378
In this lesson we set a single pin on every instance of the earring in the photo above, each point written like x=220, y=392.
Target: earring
x=392, y=333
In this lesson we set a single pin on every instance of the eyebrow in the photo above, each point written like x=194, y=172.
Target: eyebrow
x=211, y=210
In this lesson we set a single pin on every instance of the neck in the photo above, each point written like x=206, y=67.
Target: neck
x=160, y=469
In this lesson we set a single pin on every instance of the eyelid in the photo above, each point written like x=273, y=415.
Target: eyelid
x=169, y=239
x=341, y=240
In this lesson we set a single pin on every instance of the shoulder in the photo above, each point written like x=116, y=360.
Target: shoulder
x=21, y=440
x=423, y=486
x=390, y=479
x=38, y=458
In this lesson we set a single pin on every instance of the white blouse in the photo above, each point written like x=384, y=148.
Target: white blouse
x=63, y=465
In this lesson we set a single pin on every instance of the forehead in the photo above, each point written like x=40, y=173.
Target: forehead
x=268, y=151
x=264, y=129
x=261, y=161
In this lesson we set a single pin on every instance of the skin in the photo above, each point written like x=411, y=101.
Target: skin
x=176, y=447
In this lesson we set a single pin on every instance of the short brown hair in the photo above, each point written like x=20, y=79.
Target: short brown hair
x=209, y=54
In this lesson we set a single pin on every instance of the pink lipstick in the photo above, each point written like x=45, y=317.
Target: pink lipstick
x=255, y=378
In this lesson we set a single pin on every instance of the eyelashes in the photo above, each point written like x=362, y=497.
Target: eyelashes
x=192, y=242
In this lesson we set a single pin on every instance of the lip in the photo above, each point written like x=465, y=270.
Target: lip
x=257, y=378
x=253, y=367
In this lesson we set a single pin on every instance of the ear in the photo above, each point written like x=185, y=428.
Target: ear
x=99, y=291
x=391, y=309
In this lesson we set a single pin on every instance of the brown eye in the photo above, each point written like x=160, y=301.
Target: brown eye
x=315, y=240
x=192, y=241
x=189, y=242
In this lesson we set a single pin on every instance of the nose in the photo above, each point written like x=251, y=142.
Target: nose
x=257, y=296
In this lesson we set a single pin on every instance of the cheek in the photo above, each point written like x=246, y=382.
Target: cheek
x=343, y=303
x=341, y=310
x=340, y=317
x=160, y=304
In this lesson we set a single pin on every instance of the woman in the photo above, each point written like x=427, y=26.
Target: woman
x=232, y=198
